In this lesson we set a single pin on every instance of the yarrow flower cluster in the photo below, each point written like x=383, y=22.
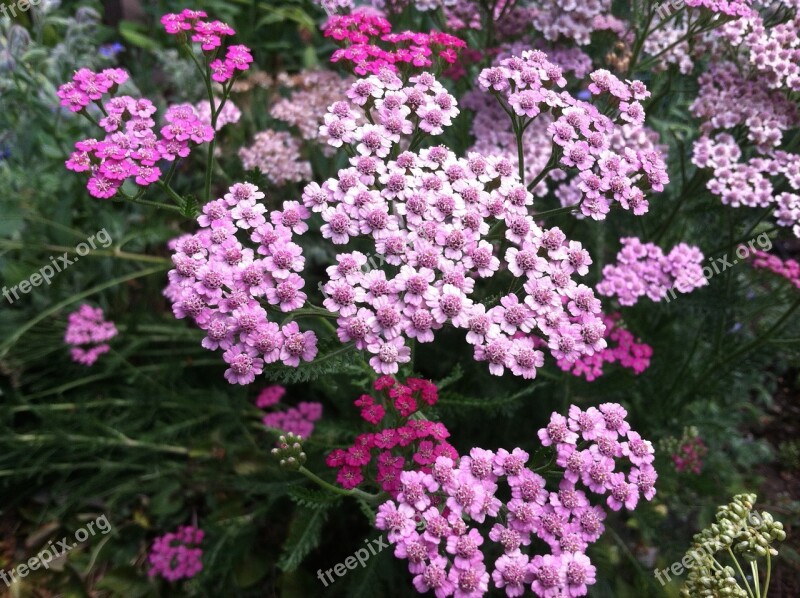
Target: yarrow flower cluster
x=623, y=348
x=297, y=420
x=527, y=86
x=88, y=334
x=88, y=87
x=311, y=92
x=219, y=282
x=788, y=269
x=363, y=33
x=410, y=445
x=277, y=155
x=748, y=183
x=687, y=453
x=229, y=114
x=177, y=555
x=731, y=8
x=459, y=500
x=209, y=35
x=428, y=214
x=571, y=20
x=131, y=147
x=643, y=269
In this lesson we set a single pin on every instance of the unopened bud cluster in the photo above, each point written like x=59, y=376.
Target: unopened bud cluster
x=290, y=451
x=740, y=529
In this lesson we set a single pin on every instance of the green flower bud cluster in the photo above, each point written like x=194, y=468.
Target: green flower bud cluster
x=671, y=444
x=290, y=451
x=740, y=529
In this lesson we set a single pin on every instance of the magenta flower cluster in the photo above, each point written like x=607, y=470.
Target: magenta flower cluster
x=88, y=87
x=298, y=420
x=210, y=35
x=642, y=269
x=88, y=334
x=689, y=455
x=528, y=86
x=177, y=555
x=788, y=269
x=623, y=348
x=132, y=148
x=428, y=214
x=219, y=282
x=457, y=502
x=410, y=444
x=361, y=32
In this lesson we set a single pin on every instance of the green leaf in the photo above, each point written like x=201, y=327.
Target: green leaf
x=249, y=570
x=131, y=33
x=305, y=533
x=313, y=499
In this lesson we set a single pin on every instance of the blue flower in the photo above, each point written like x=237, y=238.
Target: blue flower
x=111, y=50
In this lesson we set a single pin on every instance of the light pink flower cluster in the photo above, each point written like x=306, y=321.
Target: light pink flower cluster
x=277, y=155
x=750, y=175
x=219, y=282
x=788, y=269
x=775, y=50
x=731, y=8
x=270, y=395
x=209, y=35
x=643, y=269
x=401, y=444
x=428, y=214
x=229, y=114
x=727, y=100
x=623, y=348
x=361, y=33
x=298, y=420
x=667, y=43
x=88, y=333
x=458, y=501
x=571, y=20
x=528, y=85
x=177, y=555
x=493, y=131
x=311, y=92
x=749, y=183
x=131, y=147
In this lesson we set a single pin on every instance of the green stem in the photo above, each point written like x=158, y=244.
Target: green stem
x=210, y=92
x=123, y=442
x=739, y=567
x=756, y=580
x=179, y=201
x=769, y=574
x=145, y=202
x=20, y=332
x=355, y=492
x=123, y=255
x=520, y=152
